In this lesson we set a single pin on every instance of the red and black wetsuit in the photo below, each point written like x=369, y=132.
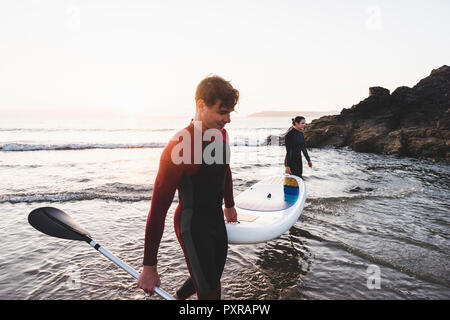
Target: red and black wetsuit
x=199, y=220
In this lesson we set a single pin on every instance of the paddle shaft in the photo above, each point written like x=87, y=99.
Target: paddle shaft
x=126, y=267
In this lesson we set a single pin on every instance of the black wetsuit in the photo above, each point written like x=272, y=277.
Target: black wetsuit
x=198, y=219
x=295, y=145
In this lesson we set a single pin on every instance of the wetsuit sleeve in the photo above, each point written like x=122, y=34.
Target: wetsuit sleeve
x=288, y=144
x=164, y=189
x=228, y=191
x=305, y=152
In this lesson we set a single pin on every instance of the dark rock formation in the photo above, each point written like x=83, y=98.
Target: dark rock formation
x=411, y=122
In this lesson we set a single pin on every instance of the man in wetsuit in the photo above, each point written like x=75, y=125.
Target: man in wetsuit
x=196, y=162
x=295, y=145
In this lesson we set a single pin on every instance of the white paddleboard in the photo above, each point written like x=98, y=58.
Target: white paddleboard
x=267, y=209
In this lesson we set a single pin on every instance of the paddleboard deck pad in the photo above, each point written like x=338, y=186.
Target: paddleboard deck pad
x=267, y=209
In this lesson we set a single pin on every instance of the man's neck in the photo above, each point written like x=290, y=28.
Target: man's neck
x=197, y=118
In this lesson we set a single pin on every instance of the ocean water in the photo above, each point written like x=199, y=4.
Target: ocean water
x=373, y=226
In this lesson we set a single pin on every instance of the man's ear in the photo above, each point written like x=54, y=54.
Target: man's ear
x=200, y=104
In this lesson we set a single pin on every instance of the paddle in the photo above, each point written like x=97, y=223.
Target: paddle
x=57, y=223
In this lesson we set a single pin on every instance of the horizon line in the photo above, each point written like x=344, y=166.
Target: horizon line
x=102, y=112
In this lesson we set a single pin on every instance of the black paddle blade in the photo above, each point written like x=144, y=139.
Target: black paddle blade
x=57, y=223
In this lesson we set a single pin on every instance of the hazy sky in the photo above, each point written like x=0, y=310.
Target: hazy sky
x=145, y=57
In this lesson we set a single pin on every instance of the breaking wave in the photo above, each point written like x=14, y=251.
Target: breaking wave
x=38, y=147
x=111, y=191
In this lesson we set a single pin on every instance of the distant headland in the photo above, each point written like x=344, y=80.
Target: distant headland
x=291, y=113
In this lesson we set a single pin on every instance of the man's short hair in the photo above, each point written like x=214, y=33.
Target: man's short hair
x=214, y=88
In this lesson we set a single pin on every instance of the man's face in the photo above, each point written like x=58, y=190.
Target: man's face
x=214, y=117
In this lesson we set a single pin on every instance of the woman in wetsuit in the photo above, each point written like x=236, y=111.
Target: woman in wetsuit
x=196, y=163
x=295, y=145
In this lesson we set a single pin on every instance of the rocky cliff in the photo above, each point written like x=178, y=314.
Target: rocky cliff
x=411, y=122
